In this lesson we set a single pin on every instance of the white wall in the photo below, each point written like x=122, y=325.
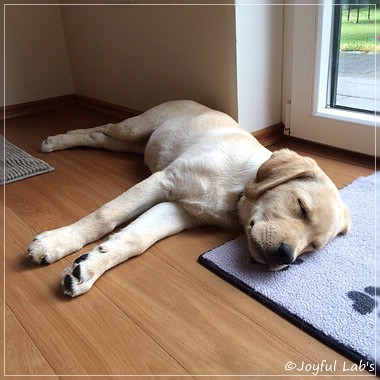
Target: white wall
x=259, y=30
x=139, y=56
x=36, y=61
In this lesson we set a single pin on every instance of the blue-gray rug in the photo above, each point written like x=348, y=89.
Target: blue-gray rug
x=332, y=294
x=16, y=164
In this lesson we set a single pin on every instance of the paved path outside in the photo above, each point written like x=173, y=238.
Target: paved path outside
x=356, y=80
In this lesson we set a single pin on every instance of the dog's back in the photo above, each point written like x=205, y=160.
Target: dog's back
x=173, y=136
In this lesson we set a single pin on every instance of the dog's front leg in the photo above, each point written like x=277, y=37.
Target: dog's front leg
x=51, y=246
x=160, y=221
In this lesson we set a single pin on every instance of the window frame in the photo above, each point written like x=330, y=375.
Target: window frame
x=310, y=118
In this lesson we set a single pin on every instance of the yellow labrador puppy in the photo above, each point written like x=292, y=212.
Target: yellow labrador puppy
x=205, y=170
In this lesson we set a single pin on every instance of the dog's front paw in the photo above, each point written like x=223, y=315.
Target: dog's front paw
x=50, y=246
x=81, y=276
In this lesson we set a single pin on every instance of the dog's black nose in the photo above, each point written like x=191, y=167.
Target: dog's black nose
x=284, y=254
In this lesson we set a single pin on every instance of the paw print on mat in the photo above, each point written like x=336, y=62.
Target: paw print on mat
x=364, y=303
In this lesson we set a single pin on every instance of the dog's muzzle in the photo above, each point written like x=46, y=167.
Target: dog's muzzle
x=279, y=258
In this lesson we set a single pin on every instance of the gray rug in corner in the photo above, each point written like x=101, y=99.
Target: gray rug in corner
x=331, y=294
x=16, y=164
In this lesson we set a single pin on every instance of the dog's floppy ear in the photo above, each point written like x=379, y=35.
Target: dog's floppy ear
x=283, y=166
x=346, y=219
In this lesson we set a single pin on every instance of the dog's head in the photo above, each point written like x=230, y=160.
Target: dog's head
x=289, y=208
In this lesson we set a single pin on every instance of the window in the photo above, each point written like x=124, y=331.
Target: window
x=309, y=115
x=353, y=59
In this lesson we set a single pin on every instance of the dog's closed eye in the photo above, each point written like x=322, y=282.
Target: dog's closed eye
x=304, y=210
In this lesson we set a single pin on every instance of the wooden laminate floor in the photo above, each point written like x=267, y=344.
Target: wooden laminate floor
x=159, y=314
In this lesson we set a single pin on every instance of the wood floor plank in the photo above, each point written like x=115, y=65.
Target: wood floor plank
x=110, y=177
x=87, y=335
x=40, y=205
x=21, y=351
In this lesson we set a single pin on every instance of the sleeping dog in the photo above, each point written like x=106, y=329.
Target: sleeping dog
x=205, y=170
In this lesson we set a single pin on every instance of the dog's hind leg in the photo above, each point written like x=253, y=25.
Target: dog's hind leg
x=129, y=135
x=92, y=139
x=160, y=221
x=100, y=128
x=133, y=129
x=139, y=128
x=51, y=246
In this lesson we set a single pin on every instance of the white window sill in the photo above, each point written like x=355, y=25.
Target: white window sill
x=360, y=118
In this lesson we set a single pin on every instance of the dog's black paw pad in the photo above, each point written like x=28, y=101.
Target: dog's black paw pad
x=76, y=272
x=68, y=283
x=81, y=258
x=44, y=261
